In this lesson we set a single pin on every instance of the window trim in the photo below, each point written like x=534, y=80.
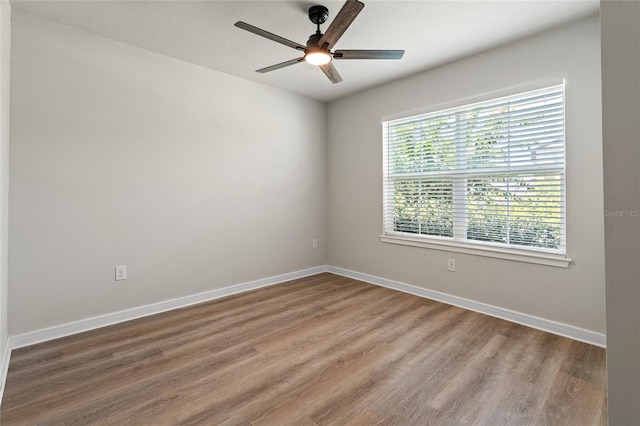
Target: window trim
x=484, y=249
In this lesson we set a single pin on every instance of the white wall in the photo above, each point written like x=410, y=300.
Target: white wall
x=620, y=23
x=573, y=296
x=194, y=179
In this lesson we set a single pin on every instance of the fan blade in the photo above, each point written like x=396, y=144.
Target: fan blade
x=270, y=36
x=340, y=23
x=331, y=72
x=368, y=54
x=281, y=65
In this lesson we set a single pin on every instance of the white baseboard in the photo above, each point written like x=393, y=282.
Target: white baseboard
x=63, y=330
x=87, y=324
x=561, y=329
x=38, y=336
x=4, y=367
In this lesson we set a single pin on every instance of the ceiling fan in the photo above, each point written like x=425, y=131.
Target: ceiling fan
x=318, y=48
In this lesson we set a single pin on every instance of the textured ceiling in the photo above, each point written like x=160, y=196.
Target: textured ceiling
x=202, y=32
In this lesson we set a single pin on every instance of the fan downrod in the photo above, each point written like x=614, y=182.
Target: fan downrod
x=318, y=14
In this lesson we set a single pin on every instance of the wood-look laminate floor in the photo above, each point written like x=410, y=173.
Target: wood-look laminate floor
x=314, y=351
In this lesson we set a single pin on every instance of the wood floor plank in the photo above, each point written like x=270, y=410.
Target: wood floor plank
x=574, y=401
x=305, y=357
x=321, y=350
x=268, y=363
x=519, y=388
x=429, y=375
x=579, y=361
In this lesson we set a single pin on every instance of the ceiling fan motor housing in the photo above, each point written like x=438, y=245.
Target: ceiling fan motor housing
x=312, y=43
x=318, y=14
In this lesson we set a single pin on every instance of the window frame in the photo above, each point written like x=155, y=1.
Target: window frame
x=462, y=245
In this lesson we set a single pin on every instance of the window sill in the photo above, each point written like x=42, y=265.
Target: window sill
x=556, y=260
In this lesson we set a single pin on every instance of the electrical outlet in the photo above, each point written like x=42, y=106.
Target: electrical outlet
x=121, y=272
x=315, y=243
x=451, y=265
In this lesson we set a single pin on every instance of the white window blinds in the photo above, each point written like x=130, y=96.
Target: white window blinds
x=487, y=173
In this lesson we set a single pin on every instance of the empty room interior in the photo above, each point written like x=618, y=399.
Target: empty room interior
x=413, y=213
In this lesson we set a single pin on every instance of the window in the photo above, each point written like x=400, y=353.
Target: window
x=489, y=175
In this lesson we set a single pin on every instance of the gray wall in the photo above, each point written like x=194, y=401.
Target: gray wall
x=620, y=27
x=5, y=68
x=194, y=179
x=573, y=296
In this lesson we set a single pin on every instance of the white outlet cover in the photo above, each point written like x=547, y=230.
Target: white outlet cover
x=451, y=265
x=121, y=272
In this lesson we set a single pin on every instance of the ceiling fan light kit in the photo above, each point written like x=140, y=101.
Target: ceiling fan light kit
x=317, y=57
x=318, y=48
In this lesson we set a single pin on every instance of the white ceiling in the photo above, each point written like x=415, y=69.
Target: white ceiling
x=202, y=32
